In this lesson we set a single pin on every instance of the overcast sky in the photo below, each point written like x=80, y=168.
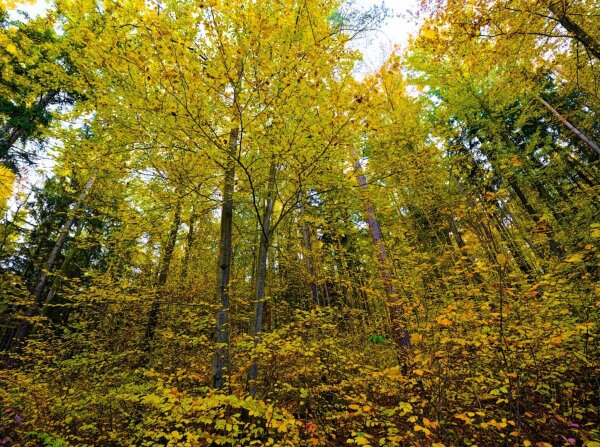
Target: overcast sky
x=396, y=31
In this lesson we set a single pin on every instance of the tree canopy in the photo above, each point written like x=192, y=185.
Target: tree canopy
x=214, y=233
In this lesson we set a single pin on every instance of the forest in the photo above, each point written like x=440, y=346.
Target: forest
x=215, y=233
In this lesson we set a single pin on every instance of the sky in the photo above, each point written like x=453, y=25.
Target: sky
x=395, y=31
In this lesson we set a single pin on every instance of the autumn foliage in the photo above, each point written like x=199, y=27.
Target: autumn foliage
x=215, y=232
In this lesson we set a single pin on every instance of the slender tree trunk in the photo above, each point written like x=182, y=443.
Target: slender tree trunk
x=58, y=278
x=38, y=292
x=558, y=9
x=314, y=289
x=221, y=358
x=554, y=246
x=512, y=182
x=570, y=126
x=513, y=246
x=261, y=272
x=163, y=273
x=399, y=332
x=460, y=242
x=189, y=245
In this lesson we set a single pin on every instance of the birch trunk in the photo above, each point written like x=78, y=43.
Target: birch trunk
x=583, y=137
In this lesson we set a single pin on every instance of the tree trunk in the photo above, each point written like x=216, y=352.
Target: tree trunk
x=554, y=246
x=399, y=332
x=578, y=33
x=570, y=126
x=163, y=273
x=38, y=292
x=314, y=289
x=188, y=247
x=50, y=298
x=261, y=272
x=18, y=131
x=221, y=358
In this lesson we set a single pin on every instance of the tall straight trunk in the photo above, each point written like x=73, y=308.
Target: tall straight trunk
x=583, y=137
x=189, y=245
x=261, y=272
x=512, y=182
x=558, y=10
x=38, y=292
x=460, y=242
x=163, y=273
x=513, y=246
x=312, y=285
x=221, y=358
x=399, y=332
x=50, y=298
x=554, y=246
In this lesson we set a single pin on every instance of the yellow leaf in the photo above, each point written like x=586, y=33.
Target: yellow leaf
x=366, y=408
x=415, y=338
x=577, y=257
x=428, y=33
x=354, y=406
x=361, y=440
x=515, y=161
x=463, y=417
x=444, y=321
x=11, y=48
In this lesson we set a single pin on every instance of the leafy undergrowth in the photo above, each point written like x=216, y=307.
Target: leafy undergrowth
x=324, y=382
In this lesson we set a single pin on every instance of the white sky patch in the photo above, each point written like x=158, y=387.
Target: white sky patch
x=32, y=9
x=395, y=33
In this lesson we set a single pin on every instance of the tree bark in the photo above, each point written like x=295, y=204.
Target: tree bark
x=261, y=271
x=17, y=131
x=560, y=14
x=58, y=279
x=399, y=332
x=189, y=245
x=554, y=246
x=221, y=358
x=163, y=273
